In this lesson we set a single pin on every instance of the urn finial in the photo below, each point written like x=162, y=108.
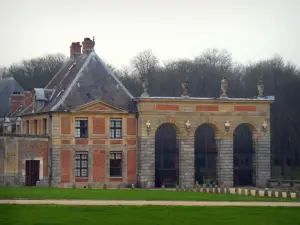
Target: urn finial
x=185, y=87
x=224, y=86
x=261, y=87
x=145, y=88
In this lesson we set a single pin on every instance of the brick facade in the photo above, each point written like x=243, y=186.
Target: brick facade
x=99, y=166
x=137, y=144
x=66, y=157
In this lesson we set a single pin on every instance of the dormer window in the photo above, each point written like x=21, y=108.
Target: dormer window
x=39, y=99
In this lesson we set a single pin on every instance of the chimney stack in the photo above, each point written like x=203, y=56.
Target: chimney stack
x=17, y=100
x=75, y=49
x=88, y=46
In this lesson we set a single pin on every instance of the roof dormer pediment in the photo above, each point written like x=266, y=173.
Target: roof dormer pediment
x=99, y=106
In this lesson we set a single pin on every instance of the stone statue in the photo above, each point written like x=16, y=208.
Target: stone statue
x=260, y=88
x=185, y=87
x=145, y=88
x=224, y=86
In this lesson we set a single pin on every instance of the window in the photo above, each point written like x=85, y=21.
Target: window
x=81, y=169
x=45, y=126
x=115, y=128
x=27, y=126
x=35, y=126
x=116, y=164
x=81, y=128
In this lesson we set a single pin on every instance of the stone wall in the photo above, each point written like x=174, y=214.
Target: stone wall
x=146, y=158
x=14, y=151
x=186, y=162
x=215, y=112
x=263, y=161
x=225, y=162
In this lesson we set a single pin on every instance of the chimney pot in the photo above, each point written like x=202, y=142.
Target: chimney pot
x=75, y=49
x=87, y=45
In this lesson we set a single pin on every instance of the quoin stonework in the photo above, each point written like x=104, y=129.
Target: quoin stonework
x=85, y=129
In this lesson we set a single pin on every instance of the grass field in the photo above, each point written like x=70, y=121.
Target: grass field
x=100, y=194
x=146, y=215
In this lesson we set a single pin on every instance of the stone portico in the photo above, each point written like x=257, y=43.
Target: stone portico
x=179, y=112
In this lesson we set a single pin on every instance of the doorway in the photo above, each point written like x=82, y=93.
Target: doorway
x=205, y=154
x=32, y=172
x=243, y=154
x=166, y=156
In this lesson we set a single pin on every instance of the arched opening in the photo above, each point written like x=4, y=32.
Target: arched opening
x=166, y=156
x=243, y=156
x=205, y=155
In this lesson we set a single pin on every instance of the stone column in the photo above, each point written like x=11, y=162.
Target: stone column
x=187, y=162
x=263, y=161
x=146, y=158
x=225, y=162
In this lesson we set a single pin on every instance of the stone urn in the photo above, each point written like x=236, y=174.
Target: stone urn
x=224, y=87
x=260, y=88
x=185, y=87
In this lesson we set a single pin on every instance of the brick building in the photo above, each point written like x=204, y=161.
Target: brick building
x=85, y=128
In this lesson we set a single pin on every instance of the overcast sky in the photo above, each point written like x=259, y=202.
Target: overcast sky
x=249, y=29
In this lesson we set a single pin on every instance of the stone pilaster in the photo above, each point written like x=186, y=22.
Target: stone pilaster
x=225, y=162
x=146, y=156
x=56, y=171
x=124, y=166
x=263, y=161
x=187, y=162
x=90, y=167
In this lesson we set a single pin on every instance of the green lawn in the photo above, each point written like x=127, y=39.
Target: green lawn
x=100, y=194
x=146, y=215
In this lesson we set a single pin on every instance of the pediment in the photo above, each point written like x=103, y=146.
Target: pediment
x=99, y=106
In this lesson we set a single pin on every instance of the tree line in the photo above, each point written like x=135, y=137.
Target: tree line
x=204, y=73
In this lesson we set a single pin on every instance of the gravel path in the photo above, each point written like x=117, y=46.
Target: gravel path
x=157, y=203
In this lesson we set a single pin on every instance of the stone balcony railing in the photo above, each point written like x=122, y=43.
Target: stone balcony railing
x=23, y=135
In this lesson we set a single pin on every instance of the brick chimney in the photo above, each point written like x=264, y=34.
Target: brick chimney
x=18, y=99
x=75, y=49
x=88, y=46
x=27, y=98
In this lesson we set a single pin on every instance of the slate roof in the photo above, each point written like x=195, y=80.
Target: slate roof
x=7, y=87
x=80, y=81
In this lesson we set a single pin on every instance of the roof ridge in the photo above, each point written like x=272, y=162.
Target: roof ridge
x=116, y=79
x=66, y=93
x=25, y=108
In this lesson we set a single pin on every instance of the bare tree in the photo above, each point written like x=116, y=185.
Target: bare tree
x=220, y=59
x=35, y=72
x=182, y=65
x=144, y=63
